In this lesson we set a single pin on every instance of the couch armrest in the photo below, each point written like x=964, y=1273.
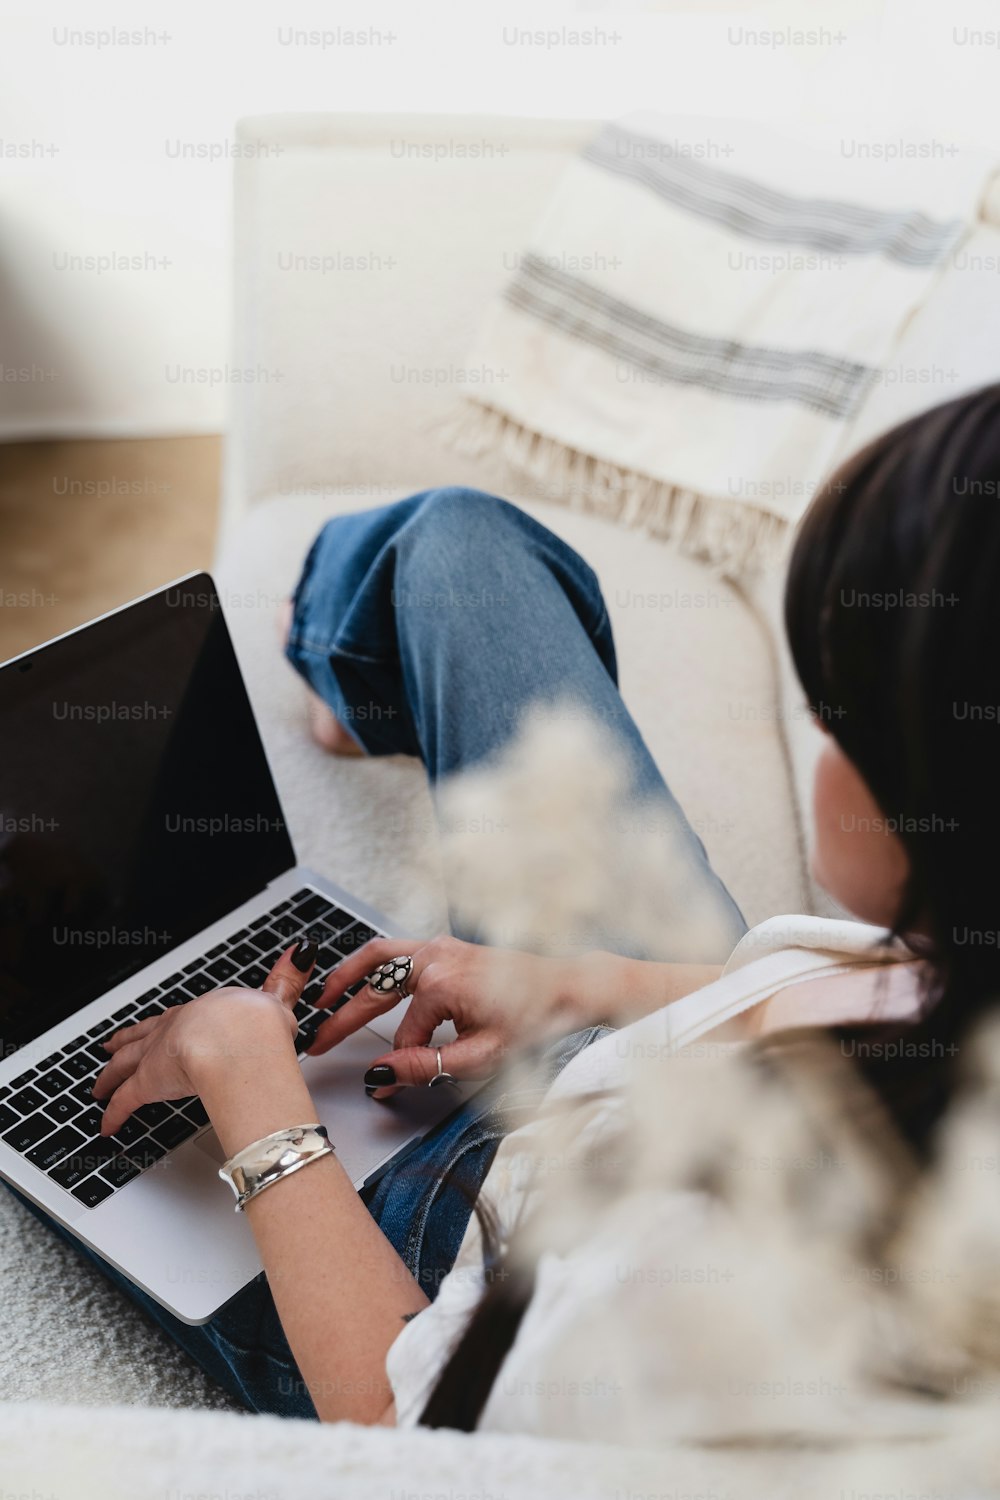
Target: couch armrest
x=141, y=1453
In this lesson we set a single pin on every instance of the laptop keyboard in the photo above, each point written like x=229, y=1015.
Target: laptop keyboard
x=49, y=1113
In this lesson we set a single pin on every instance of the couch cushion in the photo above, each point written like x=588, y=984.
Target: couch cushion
x=696, y=674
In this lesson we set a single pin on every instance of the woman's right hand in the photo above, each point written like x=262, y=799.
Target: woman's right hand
x=499, y=1001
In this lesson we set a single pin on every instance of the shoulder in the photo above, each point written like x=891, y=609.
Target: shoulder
x=824, y=935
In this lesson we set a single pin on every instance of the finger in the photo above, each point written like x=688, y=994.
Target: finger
x=125, y=1100
x=423, y=1016
x=131, y=1033
x=360, y=1010
x=469, y=1057
x=291, y=973
x=360, y=964
x=121, y=1066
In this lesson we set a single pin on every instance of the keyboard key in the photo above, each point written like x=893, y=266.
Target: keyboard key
x=55, y=1147
x=239, y=937
x=7, y=1118
x=90, y=1121
x=287, y=905
x=243, y=954
x=267, y=940
x=260, y=922
x=23, y=1078
x=353, y=937
x=175, y=997
x=28, y=1133
x=149, y=1012
x=253, y=978
x=312, y=908
x=93, y=1191
x=217, y=951
x=120, y=1171
x=335, y=919
x=103, y=1028
x=199, y=984
x=53, y=1083
x=94, y=1153
x=98, y=1054
x=126, y=1010
x=146, y=1153
x=80, y=1065
x=71, y=1170
x=27, y=1101
x=223, y=969
x=49, y=1062
x=173, y=1131
x=196, y=1112
x=62, y=1109
x=85, y=1091
x=132, y=1131
x=153, y=1114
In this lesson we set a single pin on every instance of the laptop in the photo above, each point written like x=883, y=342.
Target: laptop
x=144, y=860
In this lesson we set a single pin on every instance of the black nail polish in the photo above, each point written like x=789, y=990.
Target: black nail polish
x=305, y=954
x=370, y=1091
x=380, y=1076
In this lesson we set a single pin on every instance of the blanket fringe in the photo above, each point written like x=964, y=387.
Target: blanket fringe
x=730, y=536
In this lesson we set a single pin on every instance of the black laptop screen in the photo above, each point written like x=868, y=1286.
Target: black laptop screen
x=136, y=805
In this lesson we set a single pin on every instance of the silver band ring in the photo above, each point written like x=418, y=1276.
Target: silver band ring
x=392, y=975
x=440, y=1076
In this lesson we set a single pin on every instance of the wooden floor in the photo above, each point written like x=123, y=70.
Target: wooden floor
x=86, y=525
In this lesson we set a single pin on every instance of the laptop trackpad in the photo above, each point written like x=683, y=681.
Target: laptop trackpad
x=365, y=1132
x=210, y=1142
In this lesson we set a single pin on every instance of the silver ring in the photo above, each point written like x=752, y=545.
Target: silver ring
x=440, y=1076
x=392, y=975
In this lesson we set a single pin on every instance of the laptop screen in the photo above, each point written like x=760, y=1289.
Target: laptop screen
x=136, y=804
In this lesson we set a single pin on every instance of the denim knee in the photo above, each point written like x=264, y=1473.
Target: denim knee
x=465, y=533
x=454, y=515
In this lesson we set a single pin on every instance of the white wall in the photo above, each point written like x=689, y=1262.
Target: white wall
x=90, y=131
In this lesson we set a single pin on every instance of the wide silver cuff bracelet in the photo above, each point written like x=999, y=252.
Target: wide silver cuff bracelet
x=275, y=1156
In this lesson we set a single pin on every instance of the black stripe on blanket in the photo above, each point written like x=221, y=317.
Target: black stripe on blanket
x=762, y=213
x=672, y=355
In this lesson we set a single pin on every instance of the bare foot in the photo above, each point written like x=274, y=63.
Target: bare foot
x=324, y=726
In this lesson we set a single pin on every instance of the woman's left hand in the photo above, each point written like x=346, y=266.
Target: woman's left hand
x=165, y=1056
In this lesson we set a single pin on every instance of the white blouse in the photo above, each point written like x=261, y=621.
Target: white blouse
x=614, y=1345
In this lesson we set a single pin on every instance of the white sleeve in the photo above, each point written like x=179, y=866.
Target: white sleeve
x=422, y=1348
x=852, y=940
x=559, y=1379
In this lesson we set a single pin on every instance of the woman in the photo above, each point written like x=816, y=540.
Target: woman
x=904, y=809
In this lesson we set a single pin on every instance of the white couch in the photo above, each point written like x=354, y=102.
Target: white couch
x=325, y=423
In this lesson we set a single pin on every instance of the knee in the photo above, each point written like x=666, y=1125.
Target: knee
x=455, y=521
x=457, y=505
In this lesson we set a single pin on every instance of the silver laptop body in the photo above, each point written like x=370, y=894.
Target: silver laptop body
x=136, y=802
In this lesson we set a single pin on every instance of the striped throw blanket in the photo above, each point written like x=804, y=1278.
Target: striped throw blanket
x=699, y=317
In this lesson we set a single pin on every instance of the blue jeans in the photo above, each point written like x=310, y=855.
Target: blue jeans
x=428, y=627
